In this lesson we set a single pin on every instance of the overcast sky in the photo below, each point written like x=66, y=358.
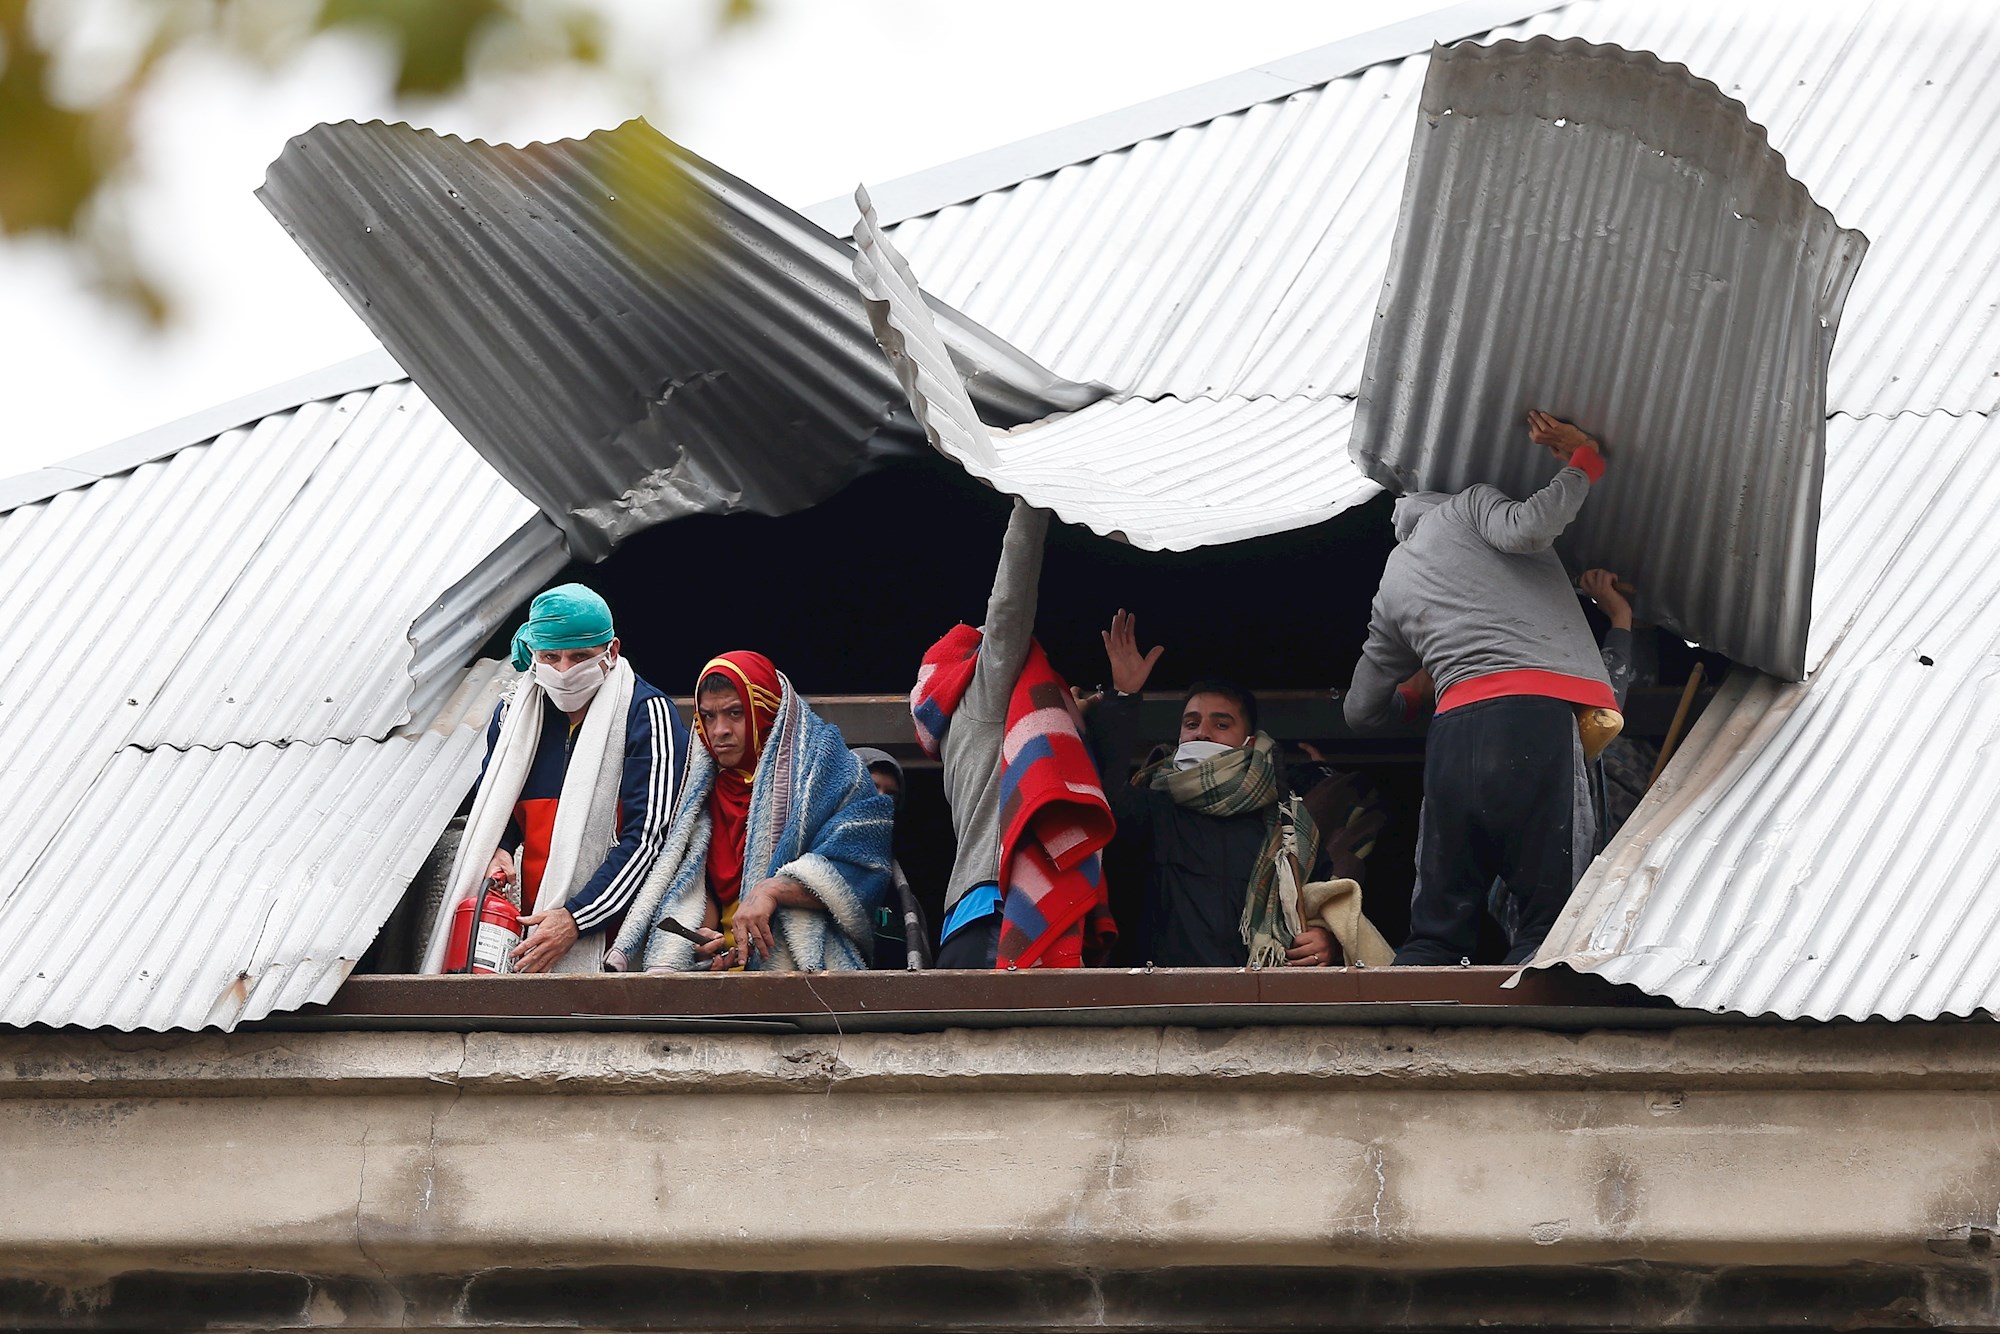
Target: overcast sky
x=784, y=102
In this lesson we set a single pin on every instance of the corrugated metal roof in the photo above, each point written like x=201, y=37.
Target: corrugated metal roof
x=1832, y=849
x=1807, y=840
x=626, y=332
x=1164, y=475
x=1661, y=281
x=1243, y=255
x=1001, y=168
x=244, y=879
x=203, y=664
x=311, y=640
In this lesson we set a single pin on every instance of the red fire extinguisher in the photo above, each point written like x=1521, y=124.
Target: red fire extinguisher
x=491, y=950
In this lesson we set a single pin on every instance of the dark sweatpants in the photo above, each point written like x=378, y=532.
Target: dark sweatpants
x=974, y=945
x=1499, y=803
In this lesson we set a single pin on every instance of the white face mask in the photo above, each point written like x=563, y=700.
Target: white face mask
x=1190, y=753
x=573, y=689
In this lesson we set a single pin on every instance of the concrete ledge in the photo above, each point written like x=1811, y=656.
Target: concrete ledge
x=1933, y=1057
x=1841, y=1175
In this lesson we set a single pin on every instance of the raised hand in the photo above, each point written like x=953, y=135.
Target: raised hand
x=1602, y=586
x=1557, y=436
x=1129, y=667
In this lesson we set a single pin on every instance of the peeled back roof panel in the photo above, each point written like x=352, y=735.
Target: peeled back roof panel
x=1599, y=234
x=626, y=332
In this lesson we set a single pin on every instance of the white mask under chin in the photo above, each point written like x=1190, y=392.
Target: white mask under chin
x=1190, y=753
x=573, y=689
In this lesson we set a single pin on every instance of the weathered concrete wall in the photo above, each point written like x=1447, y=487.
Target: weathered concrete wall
x=372, y=1178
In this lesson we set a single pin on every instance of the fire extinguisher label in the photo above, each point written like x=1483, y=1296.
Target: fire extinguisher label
x=493, y=947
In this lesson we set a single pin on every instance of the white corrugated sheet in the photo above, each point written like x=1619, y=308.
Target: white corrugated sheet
x=1146, y=470
x=311, y=641
x=1164, y=474
x=1833, y=849
x=212, y=799
x=1244, y=255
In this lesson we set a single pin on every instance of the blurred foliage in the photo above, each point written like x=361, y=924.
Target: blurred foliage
x=68, y=96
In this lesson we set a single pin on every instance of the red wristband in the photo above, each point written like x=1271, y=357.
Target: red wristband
x=1588, y=461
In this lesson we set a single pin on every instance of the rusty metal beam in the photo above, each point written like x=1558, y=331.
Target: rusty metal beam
x=928, y=1001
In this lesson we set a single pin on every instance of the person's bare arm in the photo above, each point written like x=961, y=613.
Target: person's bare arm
x=1522, y=526
x=1602, y=586
x=1616, y=650
x=1112, y=725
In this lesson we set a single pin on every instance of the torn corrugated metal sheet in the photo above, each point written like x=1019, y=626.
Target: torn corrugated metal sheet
x=462, y=618
x=216, y=811
x=1832, y=849
x=1595, y=233
x=245, y=880
x=1164, y=476
x=1106, y=266
x=626, y=332
x=312, y=639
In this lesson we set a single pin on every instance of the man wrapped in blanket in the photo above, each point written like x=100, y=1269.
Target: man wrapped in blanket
x=1027, y=883
x=582, y=763
x=779, y=850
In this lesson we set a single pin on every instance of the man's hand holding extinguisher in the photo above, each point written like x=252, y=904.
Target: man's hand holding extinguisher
x=550, y=934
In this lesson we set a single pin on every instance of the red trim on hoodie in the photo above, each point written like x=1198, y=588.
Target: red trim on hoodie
x=1589, y=462
x=1529, y=681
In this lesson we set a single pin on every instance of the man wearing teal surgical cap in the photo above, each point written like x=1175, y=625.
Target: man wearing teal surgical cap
x=582, y=755
x=568, y=616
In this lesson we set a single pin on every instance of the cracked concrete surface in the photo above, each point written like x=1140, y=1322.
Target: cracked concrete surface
x=390, y=1161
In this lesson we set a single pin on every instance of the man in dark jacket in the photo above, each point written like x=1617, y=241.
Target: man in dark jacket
x=1201, y=845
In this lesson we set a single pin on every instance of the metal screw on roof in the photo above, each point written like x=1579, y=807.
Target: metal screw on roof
x=1464, y=962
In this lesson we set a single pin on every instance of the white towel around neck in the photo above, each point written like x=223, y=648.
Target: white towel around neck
x=586, y=827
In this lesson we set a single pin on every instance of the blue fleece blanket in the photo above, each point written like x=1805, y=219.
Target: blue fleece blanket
x=815, y=817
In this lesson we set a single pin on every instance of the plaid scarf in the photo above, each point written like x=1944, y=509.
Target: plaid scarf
x=1242, y=782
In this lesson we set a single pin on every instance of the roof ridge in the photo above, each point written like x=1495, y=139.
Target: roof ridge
x=371, y=368
x=934, y=188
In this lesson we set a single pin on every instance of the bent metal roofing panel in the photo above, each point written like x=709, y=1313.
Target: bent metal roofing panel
x=227, y=795
x=1598, y=234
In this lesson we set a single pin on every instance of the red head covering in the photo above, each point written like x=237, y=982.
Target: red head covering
x=756, y=681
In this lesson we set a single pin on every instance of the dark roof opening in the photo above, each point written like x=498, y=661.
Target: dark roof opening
x=846, y=596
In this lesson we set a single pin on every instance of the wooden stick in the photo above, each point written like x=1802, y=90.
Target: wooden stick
x=1674, y=729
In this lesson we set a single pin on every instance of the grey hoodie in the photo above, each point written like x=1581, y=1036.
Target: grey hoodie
x=1474, y=588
